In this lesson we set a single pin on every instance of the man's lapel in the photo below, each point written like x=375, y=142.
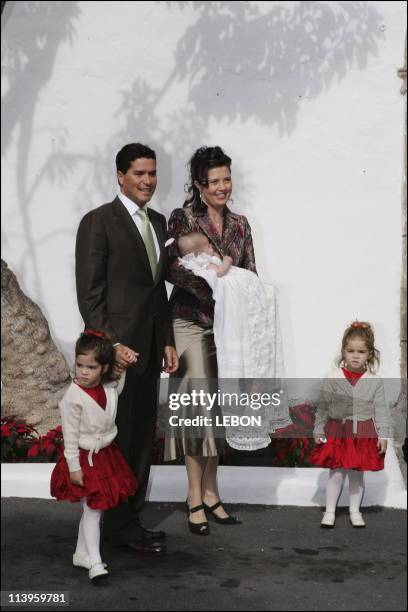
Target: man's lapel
x=126, y=221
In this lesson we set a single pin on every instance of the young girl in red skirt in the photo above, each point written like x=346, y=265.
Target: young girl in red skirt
x=91, y=468
x=352, y=422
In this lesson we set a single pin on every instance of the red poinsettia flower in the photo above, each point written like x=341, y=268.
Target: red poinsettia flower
x=22, y=428
x=34, y=450
x=304, y=415
x=48, y=446
x=6, y=430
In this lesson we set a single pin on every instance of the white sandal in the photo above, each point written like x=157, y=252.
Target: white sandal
x=328, y=520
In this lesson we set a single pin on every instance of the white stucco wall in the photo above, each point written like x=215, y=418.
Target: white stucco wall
x=304, y=96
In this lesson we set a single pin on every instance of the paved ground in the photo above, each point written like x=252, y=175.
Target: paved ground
x=279, y=559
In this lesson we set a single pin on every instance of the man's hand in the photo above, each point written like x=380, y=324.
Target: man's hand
x=382, y=446
x=171, y=360
x=77, y=478
x=124, y=356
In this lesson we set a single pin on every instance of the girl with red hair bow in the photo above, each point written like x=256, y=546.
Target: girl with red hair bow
x=92, y=468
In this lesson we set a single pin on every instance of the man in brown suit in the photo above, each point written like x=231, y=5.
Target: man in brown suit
x=120, y=269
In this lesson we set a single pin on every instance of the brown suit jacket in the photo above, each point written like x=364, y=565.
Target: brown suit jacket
x=116, y=291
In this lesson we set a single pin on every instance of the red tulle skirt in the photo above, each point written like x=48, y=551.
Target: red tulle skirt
x=348, y=451
x=109, y=482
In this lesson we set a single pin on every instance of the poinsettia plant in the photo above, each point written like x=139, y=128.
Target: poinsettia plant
x=17, y=436
x=46, y=447
x=21, y=442
x=292, y=445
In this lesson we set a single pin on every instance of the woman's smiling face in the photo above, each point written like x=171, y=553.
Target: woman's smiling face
x=218, y=190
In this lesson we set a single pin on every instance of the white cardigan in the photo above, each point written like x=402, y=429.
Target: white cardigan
x=365, y=400
x=85, y=424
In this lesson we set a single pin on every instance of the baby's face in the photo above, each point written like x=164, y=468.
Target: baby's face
x=208, y=249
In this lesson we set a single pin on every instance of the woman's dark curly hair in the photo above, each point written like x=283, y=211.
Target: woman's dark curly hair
x=203, y=160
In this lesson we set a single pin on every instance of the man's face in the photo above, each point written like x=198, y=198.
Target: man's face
x=139, y=182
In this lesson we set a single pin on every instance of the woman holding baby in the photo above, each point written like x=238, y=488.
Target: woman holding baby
x=228, y=235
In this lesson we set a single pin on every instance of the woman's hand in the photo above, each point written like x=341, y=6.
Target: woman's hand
x=320, y=439
x=77, y=478
x=382, y=444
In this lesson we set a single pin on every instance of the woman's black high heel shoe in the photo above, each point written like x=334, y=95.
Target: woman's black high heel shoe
x=197, y=528
x=229, y=520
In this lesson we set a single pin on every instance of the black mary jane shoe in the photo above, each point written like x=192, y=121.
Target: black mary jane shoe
x=229, y=520
x=197, y=528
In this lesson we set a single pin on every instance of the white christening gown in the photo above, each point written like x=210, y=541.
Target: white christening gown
x=248, y=341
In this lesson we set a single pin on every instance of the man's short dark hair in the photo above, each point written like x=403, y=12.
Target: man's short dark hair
x=129, y=153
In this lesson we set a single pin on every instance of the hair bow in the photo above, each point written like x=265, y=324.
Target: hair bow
x=91, y=332
x=359, y=324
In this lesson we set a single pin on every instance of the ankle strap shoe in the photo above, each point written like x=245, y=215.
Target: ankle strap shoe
x=202, y=529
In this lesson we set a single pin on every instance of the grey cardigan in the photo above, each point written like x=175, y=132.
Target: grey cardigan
x=365, y=400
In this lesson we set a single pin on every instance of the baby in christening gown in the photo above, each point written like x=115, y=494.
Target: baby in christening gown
x=246, y=334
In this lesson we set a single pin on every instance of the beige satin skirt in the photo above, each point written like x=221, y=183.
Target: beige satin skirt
x=198, y=360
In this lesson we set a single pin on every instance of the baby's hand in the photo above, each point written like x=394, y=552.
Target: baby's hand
x=320, y=439
x=213, y=267
x=225, y=266
x=382, y=446
x=77, y=478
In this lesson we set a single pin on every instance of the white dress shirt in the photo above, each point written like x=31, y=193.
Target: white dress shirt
x=132, y=209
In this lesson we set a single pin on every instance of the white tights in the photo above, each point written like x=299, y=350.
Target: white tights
x=335, y=484
x=89, y=534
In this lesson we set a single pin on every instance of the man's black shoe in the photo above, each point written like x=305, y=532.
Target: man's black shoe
x=145, y=546
x=153, y=536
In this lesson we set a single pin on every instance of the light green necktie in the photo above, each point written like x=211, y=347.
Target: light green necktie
x=148, y=240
